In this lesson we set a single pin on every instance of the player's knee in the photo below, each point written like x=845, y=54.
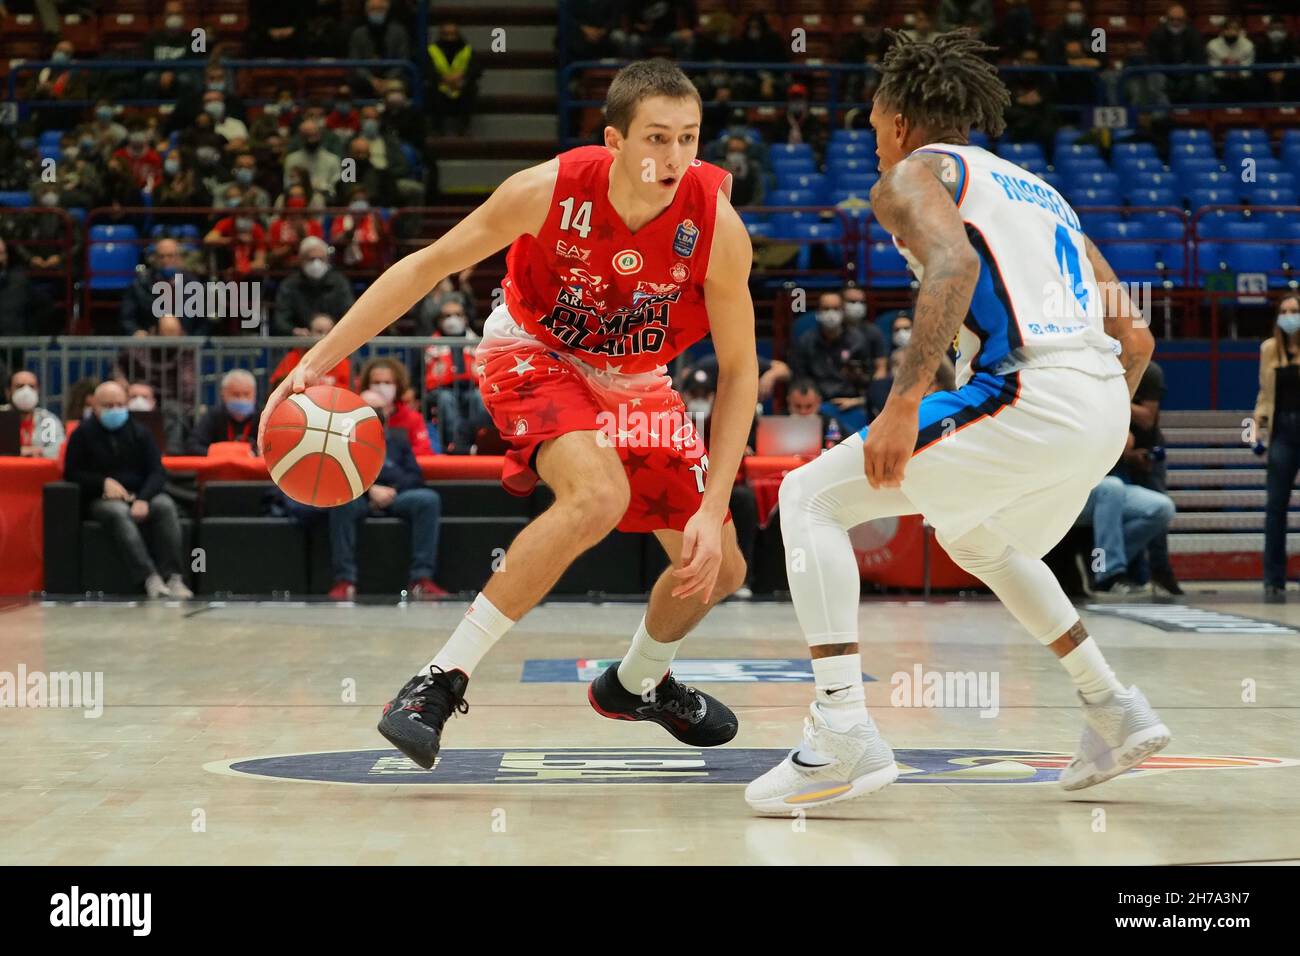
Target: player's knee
x=793, y=494
x=731, y=575
x=598, y=509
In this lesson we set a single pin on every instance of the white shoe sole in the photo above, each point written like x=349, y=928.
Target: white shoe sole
x=1134, y=750
x=863, y=786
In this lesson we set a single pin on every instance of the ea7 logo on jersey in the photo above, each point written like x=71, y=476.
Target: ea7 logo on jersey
x=627, y=262
x=568, y=251
x=657, y=288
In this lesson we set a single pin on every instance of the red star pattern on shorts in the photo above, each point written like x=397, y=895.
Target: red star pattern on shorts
x=550, y=415
x=660, y=507
x=632, y=462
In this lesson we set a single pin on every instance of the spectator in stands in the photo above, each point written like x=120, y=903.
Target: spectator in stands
x=451, y=383
x=389, y=377
x=173, y=42
x=105, y=130
x=170, y=371
x=38, y=241
x=1278, y=46
x=855, y=304
x=657, y=25
x=1143, y=465
x=140, y=159
x=360, y=237
x=277, y=30
x=380, y=37
x=840, y=360
x=79, y=175
x=231, y=128
x=118, y=467
x=1125, y=518
x=399, y=491
x=409, y=125
x=343, y=120
x=244, y=173
x=866, y=47
x=323, y=167
x=317, y=328
x=40, y=433
x=80, y=402
x=975, y=15
x=1075, y=25
x=918, y=25
x=233, y=419
x=17, y=162
x=457, y=289
x=181, y=187
x=900, y=332
x=1175, y=42
x=208, y=149
x=315, y=112
x=1277, y=423
x=589, y=27
x=136, y=314
x=746, y=173
x=1031, y=117
x=239, y=241
x=377, y=183
x=383, y=154
x=23, y=309
x=58, y=83
x=291, y=227
x=1015, y=29
x=798, y=124
x=945, y=379
x=1231, y=48
x=140, y=397
x=803, y=399
x=312, y=289
x=455, y=83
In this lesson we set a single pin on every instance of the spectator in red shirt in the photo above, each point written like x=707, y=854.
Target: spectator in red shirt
x=340, y=375
x=389, y=378
x=360, y=237
x=242, y=240
x=451, y=382
x=345, y=118
x=141, y=159
x=291, y=227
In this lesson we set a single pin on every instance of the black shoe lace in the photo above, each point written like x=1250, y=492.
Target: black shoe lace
x=678, y=698
x=435, y=696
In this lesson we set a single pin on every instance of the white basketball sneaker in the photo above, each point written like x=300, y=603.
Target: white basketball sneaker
x=829, y=766
x=1121, y=733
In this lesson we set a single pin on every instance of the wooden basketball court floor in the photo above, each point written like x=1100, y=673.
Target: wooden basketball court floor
x=195, y=696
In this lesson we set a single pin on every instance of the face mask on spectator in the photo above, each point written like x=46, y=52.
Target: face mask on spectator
x=174, y=22
x=902, y=337
x=855, y=311
x=1074, y=19
x=830, y=319
x=87, y=144
x=239, y=408
x=24, y=398
x=113, y=418
x=1277, y=34
x=243, y=224
x=1289, y=322
x=207, y=155
x=217, y=86
x=171, y=166
x=1176, y=28
x=136, y=140
x=216, y=109
x=359, y=205
x=343, y=109
x=60, y=56
x=104, y=113
x=243, y=175
x=370, y=128
x=377, y=19
x=27, y=143
x=315, y=268
x=71, y=152
x=140, y=404
x=387, y=389
x=49, y=199
x=453, y=325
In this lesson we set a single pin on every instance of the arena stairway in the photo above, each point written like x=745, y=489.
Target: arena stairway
x=1218, y=485
x=515, y=124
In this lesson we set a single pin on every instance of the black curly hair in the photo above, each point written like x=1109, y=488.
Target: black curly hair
x=943, y=83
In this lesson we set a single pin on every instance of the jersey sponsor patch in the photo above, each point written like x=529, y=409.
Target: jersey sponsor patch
x=627, y=262
x=684, y=240
x=570, y=251
x=679, y=272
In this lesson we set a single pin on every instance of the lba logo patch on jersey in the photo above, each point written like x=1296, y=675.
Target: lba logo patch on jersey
x=627, y=262
x=684, y=241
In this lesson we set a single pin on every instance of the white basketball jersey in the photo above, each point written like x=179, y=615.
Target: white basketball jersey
x=1036, y=302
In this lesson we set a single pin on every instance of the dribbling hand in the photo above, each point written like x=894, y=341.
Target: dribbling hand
x=296, y=381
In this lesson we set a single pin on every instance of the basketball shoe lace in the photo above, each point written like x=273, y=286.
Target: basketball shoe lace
x=680, y=700
x=434, y=698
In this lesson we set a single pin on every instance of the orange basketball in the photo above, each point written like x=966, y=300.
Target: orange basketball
x=324, y=446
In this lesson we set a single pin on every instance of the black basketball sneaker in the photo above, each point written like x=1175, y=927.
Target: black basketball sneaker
x=413, y=720
x=691, y=716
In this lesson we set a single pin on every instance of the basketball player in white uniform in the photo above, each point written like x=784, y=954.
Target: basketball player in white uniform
x=1049, y=353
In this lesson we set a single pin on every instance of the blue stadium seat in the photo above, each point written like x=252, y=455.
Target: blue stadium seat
x=1212, y=197
x=1273, y=197
x=1072, y=166
x=1235, y=154
x=882, y=257
x=1256, y=231
x=1075, y=151
x=759, y=230
x=15, y=199
x=1265, y=165
x=785, y=225
x=815, y=183
x=1135, y=261
x=1134, y=150
x=1256, y=135
x=1191, y=135
x=979, y=138
x=1074, y=181
x=793, y=165
x=1290, y=137
x=824, y=233
x=1094, y=197
x=1014, y=151
x=1193, y=150
x=54, y=151
x=1032, y=164
x=850, y=150
x=1215, y=225
x=121, y=232
x=49, y=137
x=1093, y=221
x=1173, y=256
x=839, y=169
x=1154, y=181
x=791, y=151
x=877, y=233
x=1210, y=257
x=1153, y=197
x=1254, y=257
x=112, y=257
x=1282, y=180
x=858, y=182
x=863, y=137
x=791, y=197
x=1192, y=168
x=838, y=196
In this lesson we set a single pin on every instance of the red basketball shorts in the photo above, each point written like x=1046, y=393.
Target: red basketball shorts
x=535, y=393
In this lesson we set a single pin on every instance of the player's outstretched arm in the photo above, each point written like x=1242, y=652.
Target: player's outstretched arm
x=912, y=203
x=1124, y=321
x=731, y=324
x=517, y=206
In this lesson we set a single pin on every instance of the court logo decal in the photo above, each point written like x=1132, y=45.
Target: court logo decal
x=735, y=766
x=1198, y=620
x=583, y=671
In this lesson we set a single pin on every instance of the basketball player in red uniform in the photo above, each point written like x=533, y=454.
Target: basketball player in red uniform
x=621, y=256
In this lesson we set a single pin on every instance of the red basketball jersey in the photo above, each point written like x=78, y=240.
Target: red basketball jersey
x=587, y=285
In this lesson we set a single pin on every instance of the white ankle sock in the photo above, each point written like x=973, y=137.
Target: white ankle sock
x=1090, y=673
x=647, y=660
x=480, y=628
x=840, y=695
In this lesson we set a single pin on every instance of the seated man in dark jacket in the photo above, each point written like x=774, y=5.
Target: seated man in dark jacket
x=119, y=468
x=234, y=419
x=398, y=491
x=313, y=289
